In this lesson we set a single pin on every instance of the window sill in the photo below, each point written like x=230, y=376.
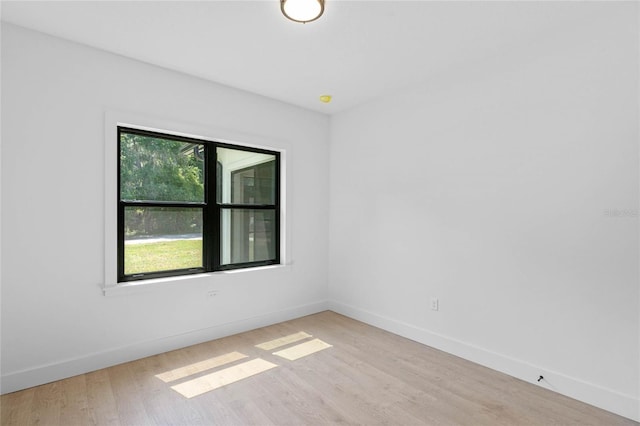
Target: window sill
x=178, y=281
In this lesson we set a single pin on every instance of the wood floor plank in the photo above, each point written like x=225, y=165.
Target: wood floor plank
x=100, y=400
x=126, y=395
x=47, y=404
x=213, y=407
x=282, y=341
x=15, y=408
x=272, y=400
x=303, y=349
x=75, y=410
x=307, y=399
x=244, y=408
x=161, y=404
x=221, y=378
x=199, y=367
x=368, y=377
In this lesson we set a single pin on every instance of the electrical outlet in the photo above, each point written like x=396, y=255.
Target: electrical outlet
x=434, y=303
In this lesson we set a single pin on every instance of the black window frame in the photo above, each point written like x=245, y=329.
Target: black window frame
x=211, y=209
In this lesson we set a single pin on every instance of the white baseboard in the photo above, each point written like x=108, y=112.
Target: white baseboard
x=39, y=375
x=607, y=399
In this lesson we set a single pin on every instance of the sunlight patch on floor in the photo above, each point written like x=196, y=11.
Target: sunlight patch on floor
x=199, y=367
x=219, y=377
x=303, y=349
x=222, y=378
x=281, y=341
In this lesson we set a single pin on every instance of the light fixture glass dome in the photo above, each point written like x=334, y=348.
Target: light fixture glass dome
x=302, y=10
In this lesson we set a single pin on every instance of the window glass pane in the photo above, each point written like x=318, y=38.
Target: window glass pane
x=162, y=239
x=248, y=235
x=246, y=177
x=156, y=169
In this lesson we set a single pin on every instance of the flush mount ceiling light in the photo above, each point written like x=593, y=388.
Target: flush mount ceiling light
x=302, y=10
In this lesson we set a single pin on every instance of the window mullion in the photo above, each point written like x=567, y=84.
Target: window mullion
x=211, y=234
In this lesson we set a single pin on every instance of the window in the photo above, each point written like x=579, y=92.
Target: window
x=189, y=206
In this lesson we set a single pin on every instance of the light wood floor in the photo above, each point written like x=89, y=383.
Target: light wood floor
x=367, y=376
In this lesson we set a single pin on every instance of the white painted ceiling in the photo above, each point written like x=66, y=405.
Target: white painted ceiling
x=356, y=52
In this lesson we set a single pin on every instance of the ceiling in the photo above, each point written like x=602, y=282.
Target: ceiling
x=357, y=51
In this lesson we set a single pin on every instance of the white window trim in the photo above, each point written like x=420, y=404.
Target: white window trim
x=112, y=120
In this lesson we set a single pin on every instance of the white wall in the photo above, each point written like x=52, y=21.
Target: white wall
x=55, y=320
x=494, y=188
